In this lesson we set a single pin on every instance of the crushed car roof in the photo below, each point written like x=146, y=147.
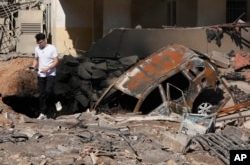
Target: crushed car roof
x=150, y=70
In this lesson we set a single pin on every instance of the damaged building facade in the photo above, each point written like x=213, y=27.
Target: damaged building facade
x=78, y=25
x=100, y=16
x=74, y=27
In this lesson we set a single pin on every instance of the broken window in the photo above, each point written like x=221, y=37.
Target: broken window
x=179, y=83
x=177, y=104
x=196, y=67
x=116, y=100
x=174, y=92
x=178, y=80
x=152, y=101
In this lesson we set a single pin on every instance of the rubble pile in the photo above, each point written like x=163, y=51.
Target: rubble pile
x=87, y=138
x=180, y=106
x=18, y=86
x=219, y=144
x=233, y=71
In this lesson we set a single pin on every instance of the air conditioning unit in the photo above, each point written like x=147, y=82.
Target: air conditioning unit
x=29, y=22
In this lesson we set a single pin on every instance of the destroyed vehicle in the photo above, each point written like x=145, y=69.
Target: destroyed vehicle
x=174, y=78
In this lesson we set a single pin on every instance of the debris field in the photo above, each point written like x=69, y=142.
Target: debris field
x=175, y=105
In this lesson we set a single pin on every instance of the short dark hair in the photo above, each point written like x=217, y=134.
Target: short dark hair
x=40, y=36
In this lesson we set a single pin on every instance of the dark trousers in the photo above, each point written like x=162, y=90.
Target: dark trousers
x=46, y=97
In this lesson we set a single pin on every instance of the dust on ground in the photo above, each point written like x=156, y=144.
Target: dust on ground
x=9, y=68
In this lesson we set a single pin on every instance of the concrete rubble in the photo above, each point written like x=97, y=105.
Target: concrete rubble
x=95, y=139
x=91, y=139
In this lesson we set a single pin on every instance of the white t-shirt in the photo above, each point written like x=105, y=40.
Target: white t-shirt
x=45, y=59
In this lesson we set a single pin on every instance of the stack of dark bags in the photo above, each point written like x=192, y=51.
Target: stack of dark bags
x=80, y=81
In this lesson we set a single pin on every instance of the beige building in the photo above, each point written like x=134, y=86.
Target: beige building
x=75, y=25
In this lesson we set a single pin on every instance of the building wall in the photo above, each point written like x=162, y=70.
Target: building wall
x=75, y=26
x=97, y=20
x=186, y=12
x=143, y=42
x=116, y=14
x=72, y=25
x=149, y=13
x=211, y=12
x=248, y=10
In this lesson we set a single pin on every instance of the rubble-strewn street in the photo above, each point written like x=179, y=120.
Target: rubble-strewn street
x=86, y=138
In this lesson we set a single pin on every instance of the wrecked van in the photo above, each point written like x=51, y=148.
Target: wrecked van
x=174, y=79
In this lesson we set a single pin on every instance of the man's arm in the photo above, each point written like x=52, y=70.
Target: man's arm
x=52, y=65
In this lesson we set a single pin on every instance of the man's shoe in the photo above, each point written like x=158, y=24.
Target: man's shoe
x=58, y=106
x=42, y=117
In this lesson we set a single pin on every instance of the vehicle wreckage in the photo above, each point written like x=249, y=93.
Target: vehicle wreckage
x=175, y=78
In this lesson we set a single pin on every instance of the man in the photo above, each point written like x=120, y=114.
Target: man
x=46, y=59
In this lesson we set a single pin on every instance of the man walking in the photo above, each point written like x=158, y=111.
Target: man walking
x=46, y=59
